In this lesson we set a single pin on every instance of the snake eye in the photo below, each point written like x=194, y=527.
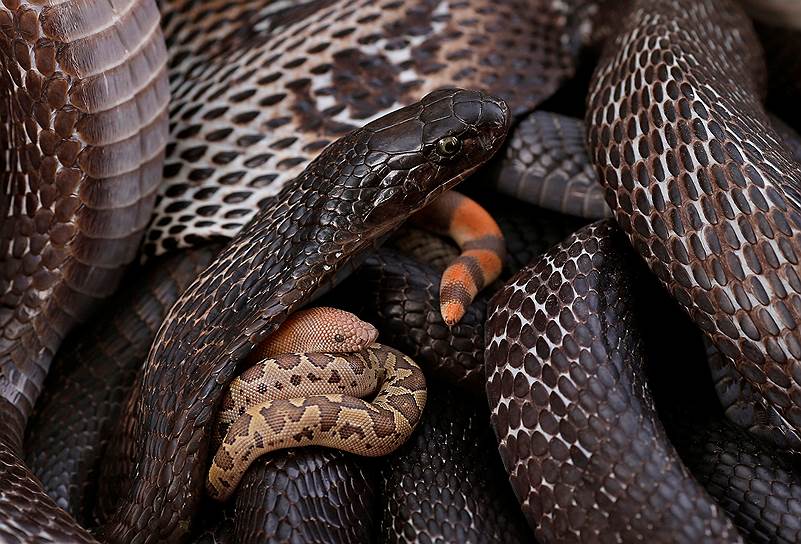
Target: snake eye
x=339, y=338
x=449, y=145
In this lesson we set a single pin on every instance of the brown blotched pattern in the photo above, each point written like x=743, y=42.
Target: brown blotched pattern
x=297, y=375
x=334, y=420
x=702, y=185
x=586, y=454
x=258, y=91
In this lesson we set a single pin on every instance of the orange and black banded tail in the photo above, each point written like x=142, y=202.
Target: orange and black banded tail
x=482, y=244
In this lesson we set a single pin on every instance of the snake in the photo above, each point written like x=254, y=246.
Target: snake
x=386, y=170
x=689, y=24
x=755, y=482
x=342, y=64
x=579, y=435
x=84, y=136
x=348, y=423
x=482, y=250
x=322, y=394
x=546, y=164
x=91, y=376
x=712, y=204
x=446, y=484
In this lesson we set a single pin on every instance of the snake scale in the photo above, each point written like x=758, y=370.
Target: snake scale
x=394, y=164
x=338, y=420
x=689, y=161
x=712, y=205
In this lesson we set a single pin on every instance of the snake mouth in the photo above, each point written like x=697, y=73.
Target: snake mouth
x=448, y=185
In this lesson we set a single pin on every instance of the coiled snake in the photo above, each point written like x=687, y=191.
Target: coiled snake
x=369, y=182
x=689, y=161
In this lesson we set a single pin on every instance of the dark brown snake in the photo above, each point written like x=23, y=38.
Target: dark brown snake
x=751, y=154
x=711, y=203
x=92, y=376
x=356, y=191
x=194, y=26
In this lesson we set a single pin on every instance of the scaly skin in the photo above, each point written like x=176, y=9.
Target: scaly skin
x=482, y=250
x=355, y=192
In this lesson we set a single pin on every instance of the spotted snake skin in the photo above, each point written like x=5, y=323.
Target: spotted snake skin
x=712, y=204
x=335, y=420
x=244, y=123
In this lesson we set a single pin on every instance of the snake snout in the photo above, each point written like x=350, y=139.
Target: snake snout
x=488, y=115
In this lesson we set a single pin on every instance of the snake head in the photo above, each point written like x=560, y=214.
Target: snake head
x=426, y=148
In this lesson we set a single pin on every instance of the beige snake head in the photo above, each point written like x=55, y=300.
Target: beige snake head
x=321, y=329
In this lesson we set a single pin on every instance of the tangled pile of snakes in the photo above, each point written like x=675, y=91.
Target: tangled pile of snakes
x=241, y=301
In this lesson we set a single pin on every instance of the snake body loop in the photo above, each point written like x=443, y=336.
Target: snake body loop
x=334, y=420
x=92, y=375
x=586, y=454
x=702, y=185
x=355, y=192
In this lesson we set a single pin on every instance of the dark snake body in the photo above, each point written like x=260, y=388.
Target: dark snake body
x=84, y=135
x=579, y=434
x=757, y=485
x=92, y=376
x=219, y=34
x=145, y=514
x=544, y=164
x=259, y=89
x=447, y=483
x=356, y=191
x=315, y=495
x=711, y=202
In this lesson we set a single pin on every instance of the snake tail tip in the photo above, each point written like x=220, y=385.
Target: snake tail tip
x=452, y=313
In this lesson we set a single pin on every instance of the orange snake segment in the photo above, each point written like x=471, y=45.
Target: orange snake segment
x=482, y=244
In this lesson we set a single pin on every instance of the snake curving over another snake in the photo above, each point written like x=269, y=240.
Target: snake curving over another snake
x=689, y=161
x=354, y=193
